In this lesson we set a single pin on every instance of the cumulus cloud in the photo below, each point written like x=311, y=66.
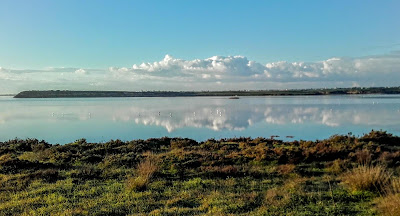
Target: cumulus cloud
x=214, y=73
x=216, y=67
x=239, y=69
x=81, y=71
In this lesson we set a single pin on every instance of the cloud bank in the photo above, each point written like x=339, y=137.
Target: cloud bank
x=215, y=73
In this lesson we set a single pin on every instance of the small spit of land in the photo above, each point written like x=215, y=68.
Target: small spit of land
x=333, y=91
x=342, y=175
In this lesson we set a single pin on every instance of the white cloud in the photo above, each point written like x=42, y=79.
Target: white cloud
x=239, y=69
x=216, y=66
x=81, y=71
x=214, y=73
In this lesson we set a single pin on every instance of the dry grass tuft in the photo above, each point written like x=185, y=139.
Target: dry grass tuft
x=337, y=166
x=389, y=205
x=285, y=169
x=144, y=173
x=147, y=168
x=367, y=177
x=394, y=186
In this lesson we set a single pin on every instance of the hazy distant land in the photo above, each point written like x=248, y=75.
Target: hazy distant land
x=290, y=92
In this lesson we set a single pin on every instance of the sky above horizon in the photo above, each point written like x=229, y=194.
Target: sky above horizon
x=197, y=45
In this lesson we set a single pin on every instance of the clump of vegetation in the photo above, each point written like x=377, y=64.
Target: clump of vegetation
x=389, y=204
x=367, y=177
x=342, y=175
x=285, y=169
x=144, y=173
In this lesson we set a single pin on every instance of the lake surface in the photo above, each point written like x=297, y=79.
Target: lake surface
x=65, y=120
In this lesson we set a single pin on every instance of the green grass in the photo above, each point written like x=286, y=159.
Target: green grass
x=182, y=177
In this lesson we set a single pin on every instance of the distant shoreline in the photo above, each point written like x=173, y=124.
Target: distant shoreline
x=290, y=92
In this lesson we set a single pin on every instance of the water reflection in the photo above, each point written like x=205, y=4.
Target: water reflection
x=248, y=116
x=224, y=118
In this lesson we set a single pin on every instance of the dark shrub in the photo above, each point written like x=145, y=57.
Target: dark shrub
x=86, y=173
x=92, y=159
x=48, y=175
x=12, y=165
x=181, y=143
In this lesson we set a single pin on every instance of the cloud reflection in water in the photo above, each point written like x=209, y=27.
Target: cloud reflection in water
x=195, y=114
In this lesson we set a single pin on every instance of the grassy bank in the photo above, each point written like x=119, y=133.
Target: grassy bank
x=341, y=175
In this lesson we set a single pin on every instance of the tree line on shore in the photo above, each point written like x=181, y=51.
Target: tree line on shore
x=287, y=92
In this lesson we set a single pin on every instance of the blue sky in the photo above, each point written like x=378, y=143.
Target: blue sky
x=92, y=34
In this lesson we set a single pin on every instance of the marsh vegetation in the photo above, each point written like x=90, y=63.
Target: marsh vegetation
x=341, y=175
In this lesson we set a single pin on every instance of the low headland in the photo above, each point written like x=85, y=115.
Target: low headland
x=341, y=175
x=290, y=92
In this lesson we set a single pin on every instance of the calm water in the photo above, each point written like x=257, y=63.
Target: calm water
x=101, y=119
